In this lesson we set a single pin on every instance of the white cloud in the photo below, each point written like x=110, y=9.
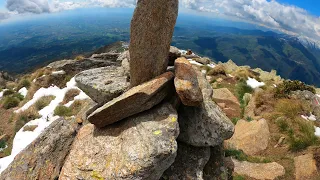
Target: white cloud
x=4, y=15
x=28, y=6
x=287, y=18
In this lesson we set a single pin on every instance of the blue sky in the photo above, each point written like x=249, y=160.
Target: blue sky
x=294, y=17
x=312, y=6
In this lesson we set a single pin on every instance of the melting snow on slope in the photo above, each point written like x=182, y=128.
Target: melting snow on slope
x=317, y=133
x=23, y=139
x=23, y=91
x=58, y=72
x=254, y=83
x=310, y=118
x=1, y=93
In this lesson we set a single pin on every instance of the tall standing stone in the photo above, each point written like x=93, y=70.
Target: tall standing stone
x=152, y=28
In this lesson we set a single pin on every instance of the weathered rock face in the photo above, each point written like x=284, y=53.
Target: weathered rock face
x=125, y=62
x=152, y=28
x=173, y=55
x=44, y=158
x=140, y=147
x=188, y=164
x=259, y=171
x=232, y=105
x=135, y=100
x=216, y=165
x=206, y=125
x=251, y=137
x=305, y=167
x=103, y=84
x=186, y=83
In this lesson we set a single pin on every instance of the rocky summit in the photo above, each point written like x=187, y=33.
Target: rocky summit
x=152, y=111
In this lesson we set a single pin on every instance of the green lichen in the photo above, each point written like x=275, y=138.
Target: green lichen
x=96, y=175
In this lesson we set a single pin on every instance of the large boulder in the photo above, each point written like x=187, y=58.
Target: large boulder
x=134, y=101
x=231, y=103
x=259, y=170
x=44, y=157
x=189, y=163
x=152, y=28
x=140, y=147
x=102, y=84
x=125, y=62
x=186, y=83
x=251, y=137
x=205, y=125
x=305, y=167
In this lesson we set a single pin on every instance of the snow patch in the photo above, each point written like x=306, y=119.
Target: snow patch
x=195, y=62
x=58, y=72
x=317, y=131
x=1, y=93
x=23, y=138
x=212, y=65
x=254, y=83
x=23, y=91
x=309, y=118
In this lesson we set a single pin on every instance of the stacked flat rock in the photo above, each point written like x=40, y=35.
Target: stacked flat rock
x=103, y=84
x=134, y=101
x=186, y=83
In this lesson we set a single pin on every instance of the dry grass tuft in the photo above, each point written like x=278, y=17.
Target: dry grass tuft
x=43, y=102
x=70, y=95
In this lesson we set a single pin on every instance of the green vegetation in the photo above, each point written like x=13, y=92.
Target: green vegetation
x=241, y=156
x=235, y=120
x=24, y=83
x=241, y=89
x=63, y=111
x=8, y=92
x=283, y=90
x=26, y=116
x=238, y=177
x=43, y=102
x=299, y=131
x=10, y=102
x=3, y=144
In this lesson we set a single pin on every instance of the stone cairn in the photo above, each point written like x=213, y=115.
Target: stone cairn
x=161, y=125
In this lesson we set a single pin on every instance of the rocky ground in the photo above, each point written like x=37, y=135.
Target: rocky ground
x=148, y=132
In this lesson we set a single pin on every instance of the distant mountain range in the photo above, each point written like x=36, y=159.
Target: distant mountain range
x=28, y=45
x=292, y=57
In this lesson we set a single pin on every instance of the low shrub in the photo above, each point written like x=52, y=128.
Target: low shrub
x=18, y=96
x=3, y=144
x=10, y=102
x=305, y=137
x=63, y=111
x=25, y=116
x=43, y=102
x=241, y=156
x=289, y=108
x=283, y=90
x=8, y=92
x=69, y=96
x=79, y=58
x=218, y=70
x=24, y=83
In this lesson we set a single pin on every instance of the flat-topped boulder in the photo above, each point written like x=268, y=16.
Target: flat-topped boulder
x=134, y=101
x=103, y=84
x=140, y=147
x=251, y=137
x=205, y=125
x=188, y=164
x=152, y=28
x=260, y=171
x=231, y=103
x=186, y=83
